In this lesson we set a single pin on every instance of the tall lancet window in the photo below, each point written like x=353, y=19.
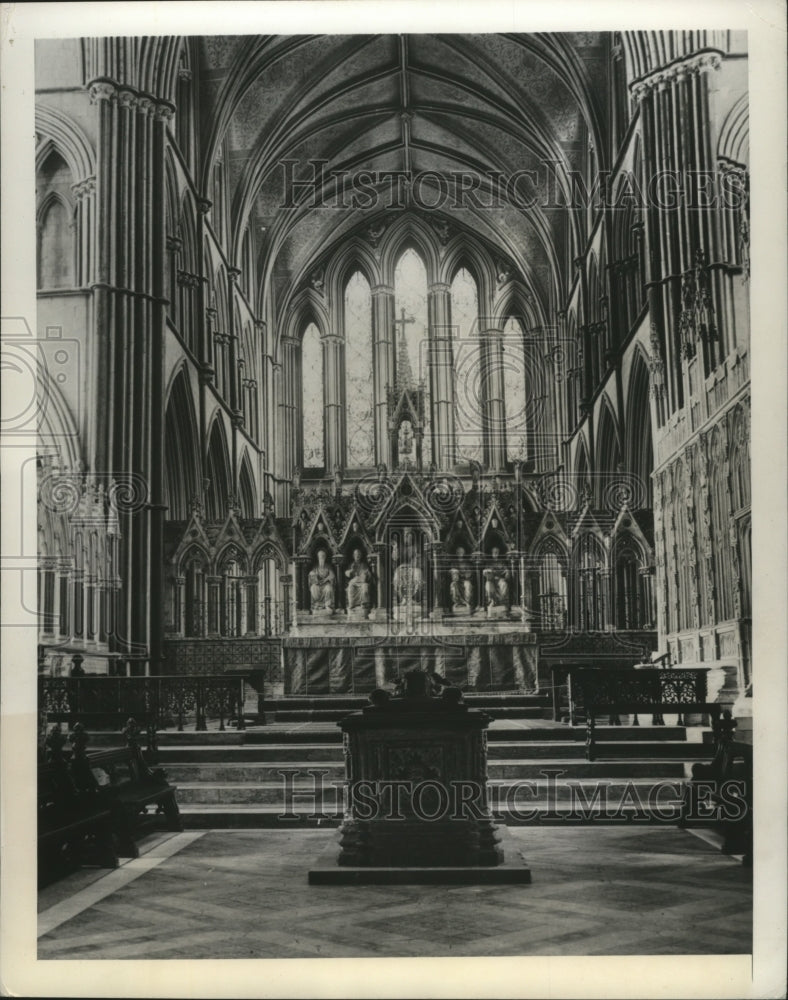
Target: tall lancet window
x=412, y=333
x=56, y=254
x=359, y=390
x=312, y=398
x=468, y=370
x=514, y=388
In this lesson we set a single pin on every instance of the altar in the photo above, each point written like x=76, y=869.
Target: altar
x=357, y=664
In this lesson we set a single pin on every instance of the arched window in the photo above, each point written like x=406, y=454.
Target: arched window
x=312, y=398
x=359, y=389
x=468, y=380
x=56, y=223
x=56, y=253
x=412, y=326
x=515, y=388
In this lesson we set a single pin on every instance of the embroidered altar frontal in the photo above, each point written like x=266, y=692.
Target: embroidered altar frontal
x=345, y=665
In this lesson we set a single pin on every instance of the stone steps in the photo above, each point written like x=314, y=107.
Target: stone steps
x=240, y=816
x=504, y=750
x=326, y=796
x=195, y=775
x=537, y=771
x=336, y=714
x=312, y=733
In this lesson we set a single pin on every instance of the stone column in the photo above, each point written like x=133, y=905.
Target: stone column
x=129, y=316
x=233, y=274
x=289, y=442
x=333, y=401
x=441, y=375
x=493, y=397
x=384, y=366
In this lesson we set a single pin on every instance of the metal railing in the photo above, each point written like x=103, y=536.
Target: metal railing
x=155, y=702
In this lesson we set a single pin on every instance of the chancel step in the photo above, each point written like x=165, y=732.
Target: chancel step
x=197, y=774
x=286, y=753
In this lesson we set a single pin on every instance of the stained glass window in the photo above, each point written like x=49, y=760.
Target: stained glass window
x=359, y=389
x=514, y=387
x=312, y=398
x=412, y=331
x=468, y=374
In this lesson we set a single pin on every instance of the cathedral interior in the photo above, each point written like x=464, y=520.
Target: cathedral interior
x=393, y=351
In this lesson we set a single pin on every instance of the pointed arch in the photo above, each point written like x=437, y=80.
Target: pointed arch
x=589, y=565
x=247, y=493
x=55, y=130
x=56, y=243
x=582, y=468
x=608, y=447
x=411, y=297
x=217, y=469
x=409, y=234
x=181, y=449
x=638, y=436
x=549, y=584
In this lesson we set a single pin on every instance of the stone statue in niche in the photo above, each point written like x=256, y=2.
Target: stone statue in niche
x=405, y=441
x=461, y=588
x=359, y=588
x=497, y=585
x=322, y=585
x=408, y=578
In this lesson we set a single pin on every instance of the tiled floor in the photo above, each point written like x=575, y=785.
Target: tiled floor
x=596, y=890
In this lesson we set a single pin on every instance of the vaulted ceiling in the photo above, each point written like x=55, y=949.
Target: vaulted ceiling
x=472, y=104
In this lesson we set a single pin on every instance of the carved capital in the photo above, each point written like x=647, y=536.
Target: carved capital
x=128, y=99
x=102, y=90
x=163, y=112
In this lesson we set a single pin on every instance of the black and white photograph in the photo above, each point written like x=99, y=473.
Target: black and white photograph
x=379, y=498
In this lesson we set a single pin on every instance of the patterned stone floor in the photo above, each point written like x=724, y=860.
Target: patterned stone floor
x=244, y=894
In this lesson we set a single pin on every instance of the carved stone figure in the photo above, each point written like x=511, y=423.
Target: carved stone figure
x=405, y=440
x=360, y=583
x=408, y=578
x=497, y=583
x=461, y=589
x=322, y=585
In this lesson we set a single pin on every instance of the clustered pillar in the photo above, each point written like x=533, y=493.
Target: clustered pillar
x=129, y=322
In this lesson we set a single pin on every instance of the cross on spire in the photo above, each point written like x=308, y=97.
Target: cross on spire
x=405, y=378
